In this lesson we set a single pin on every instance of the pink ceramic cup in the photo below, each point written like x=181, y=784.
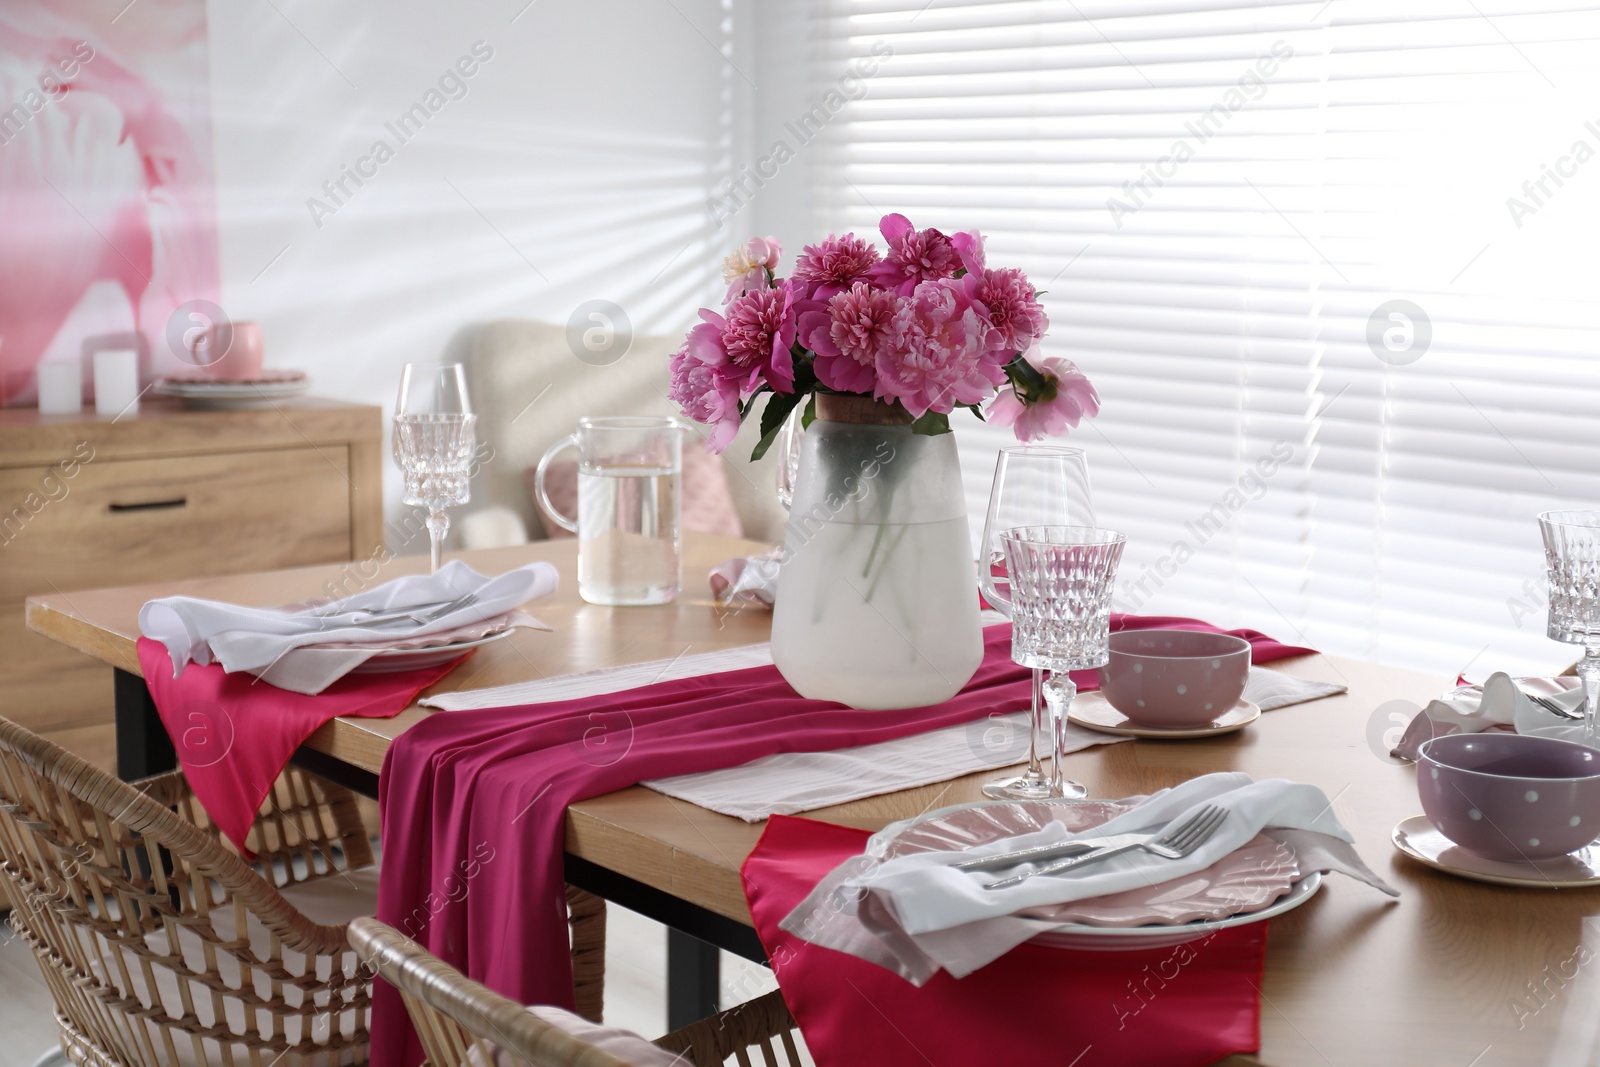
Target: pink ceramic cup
x=1174, y=678
x=231, y=352
x=1511, y=797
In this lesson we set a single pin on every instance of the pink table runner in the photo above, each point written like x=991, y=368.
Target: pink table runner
x=234, y=733
x=1181, y=1006
x=473, y=801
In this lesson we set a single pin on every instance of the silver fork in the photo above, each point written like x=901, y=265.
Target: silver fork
x=465, y=600
x=325, y=613
x=1549, y=704
x=1175, y=842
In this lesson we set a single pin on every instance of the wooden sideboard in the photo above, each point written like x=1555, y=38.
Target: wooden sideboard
x=172, y=492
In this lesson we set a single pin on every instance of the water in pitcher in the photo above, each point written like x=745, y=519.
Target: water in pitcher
x=881, y=588
x=628, y=534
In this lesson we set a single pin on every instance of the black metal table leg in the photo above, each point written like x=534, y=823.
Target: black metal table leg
x=143, y=747
x=693, y=978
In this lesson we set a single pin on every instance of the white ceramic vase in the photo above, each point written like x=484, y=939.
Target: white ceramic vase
x=877, y=603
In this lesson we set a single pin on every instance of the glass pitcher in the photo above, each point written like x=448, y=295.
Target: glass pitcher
x=630, y=474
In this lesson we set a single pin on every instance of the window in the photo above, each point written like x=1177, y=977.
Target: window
x=1331, y=266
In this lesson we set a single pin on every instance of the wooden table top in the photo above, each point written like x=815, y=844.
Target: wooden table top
x=1455, y=973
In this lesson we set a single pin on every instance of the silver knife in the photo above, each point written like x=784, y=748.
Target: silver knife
x=1042, y=853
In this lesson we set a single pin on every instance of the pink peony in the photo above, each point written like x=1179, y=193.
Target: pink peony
x=1066, y=398
x=833, y=266
x=758, y=331
x=705, y=395
x=848, y=336
x=751, y=267
x=1013, y=308
x=936, y=357
x=969, y=246
x=914, y=256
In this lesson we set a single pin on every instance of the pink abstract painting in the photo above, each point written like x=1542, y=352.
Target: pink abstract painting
x=107, y=208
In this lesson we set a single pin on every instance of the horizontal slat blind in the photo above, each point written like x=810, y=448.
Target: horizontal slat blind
x=1216, y=198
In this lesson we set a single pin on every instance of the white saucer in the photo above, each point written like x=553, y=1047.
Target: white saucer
x=1093, y=711
x=1417, y=838
x=233, y=394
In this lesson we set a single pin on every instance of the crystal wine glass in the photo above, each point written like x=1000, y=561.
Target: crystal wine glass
x=1034, y=485
x=1061, y=581
x=1572, y=556
x=434, y=441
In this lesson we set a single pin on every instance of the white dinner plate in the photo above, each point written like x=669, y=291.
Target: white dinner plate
x=394, y=660
x=1093, y=711
x=1417, y=838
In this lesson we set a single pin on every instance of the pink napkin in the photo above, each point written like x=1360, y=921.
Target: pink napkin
x=1181, y=1006
x=473, y=801
x=234, y=733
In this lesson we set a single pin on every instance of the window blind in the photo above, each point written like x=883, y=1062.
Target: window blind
x=1329, y=264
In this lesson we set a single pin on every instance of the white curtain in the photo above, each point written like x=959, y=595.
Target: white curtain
x=1331, y=265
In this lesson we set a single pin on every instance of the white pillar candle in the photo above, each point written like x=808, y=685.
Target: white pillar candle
x=60, y=387
x=116, y=381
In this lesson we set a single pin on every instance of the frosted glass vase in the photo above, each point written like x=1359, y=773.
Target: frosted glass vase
x=877, y=603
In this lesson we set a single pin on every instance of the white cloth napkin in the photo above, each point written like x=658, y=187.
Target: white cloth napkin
x=272, y=642
x=1500, y=703
x=915, y=914
x=747, y=581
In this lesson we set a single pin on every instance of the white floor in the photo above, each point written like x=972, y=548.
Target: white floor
x=636, y=962
x=27, y=1013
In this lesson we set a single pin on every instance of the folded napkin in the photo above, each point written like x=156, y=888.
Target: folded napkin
x=288, y=648
x=747, y=581
x=1180, y=1006
x=233, y=734
x=916, y=915
x=1500, y=703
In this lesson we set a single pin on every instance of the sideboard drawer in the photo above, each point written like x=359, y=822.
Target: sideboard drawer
x=127, y=521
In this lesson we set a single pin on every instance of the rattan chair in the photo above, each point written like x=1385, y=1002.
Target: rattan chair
x=461, y=1023
x=162, y=946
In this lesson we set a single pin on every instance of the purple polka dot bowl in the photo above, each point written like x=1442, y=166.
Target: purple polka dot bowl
x=1174, y=678
x=1511, y=797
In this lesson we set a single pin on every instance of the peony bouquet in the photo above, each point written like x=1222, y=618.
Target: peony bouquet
x=927, y=325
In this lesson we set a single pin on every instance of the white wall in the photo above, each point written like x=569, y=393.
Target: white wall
x=578, y=165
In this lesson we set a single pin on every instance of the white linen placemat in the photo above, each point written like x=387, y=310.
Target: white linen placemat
x=792, y=782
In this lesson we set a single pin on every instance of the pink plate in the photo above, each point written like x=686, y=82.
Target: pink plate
x=1246, y=880
x=471, y=631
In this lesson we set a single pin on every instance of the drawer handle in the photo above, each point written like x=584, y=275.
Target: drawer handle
x=153, y=505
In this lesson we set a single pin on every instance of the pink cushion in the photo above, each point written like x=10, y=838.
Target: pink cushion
x=707, y=504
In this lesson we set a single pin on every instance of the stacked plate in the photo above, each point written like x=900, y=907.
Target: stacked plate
x=413, y=653
x=1252, y=883
x=197, y=391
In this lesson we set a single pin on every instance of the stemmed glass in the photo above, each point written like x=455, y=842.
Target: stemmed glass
x=1033, y=485
x=1572, y=556
x=1061, y=580
x=434, y=441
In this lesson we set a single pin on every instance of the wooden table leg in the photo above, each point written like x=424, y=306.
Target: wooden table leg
x=693, y=979
x=143, y=747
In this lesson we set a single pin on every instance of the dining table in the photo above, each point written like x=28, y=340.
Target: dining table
x=1454, y=972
